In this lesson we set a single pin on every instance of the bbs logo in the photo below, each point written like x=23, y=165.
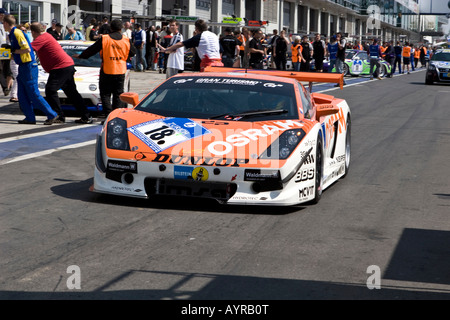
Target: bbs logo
x=304, y=175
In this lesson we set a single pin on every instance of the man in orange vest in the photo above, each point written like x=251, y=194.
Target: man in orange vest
x=115, y=50
x=406, y=54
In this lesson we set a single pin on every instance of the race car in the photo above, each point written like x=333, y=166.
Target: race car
x=86, y=77
x=241, y=137
x=357, y=63
x=439, y=67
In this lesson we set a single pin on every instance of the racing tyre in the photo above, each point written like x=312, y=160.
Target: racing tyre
x=428, y=81
x=347, y=146
x=319, y=171
x=383, y=71
x=346, y=70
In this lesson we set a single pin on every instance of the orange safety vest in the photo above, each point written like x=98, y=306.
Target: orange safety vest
x=295, y=55
x=406, y=52
x=417, y=54
x=114, y=54
x=242, y=39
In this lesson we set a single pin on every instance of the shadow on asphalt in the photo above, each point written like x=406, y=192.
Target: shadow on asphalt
x=79, y=190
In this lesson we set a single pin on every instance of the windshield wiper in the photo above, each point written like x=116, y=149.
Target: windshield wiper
x=249, y=114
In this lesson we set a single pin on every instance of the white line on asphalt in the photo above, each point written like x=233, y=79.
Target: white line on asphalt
x=46, y=152
x=43, y=133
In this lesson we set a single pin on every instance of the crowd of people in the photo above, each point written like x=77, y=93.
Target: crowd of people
x=162, y=48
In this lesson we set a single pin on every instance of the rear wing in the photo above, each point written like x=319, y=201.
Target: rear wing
x=299, y=76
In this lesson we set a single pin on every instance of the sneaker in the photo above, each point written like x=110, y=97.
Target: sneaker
x=25, y=121
x=85, y=121
x=379, y=78
x=371, y=78
x=13, y=100
x=408, y=72
x=60, y=120
x=51, y=121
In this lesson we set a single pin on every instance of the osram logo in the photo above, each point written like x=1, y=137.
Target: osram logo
x=220, y=148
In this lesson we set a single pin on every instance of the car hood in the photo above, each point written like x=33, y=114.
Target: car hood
x=82, y=74
x=441, y=64
x=189, y=140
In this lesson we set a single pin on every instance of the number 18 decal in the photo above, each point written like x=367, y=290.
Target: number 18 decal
x=164, y=133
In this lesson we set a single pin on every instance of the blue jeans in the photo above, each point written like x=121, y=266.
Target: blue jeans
x=296, y=66
x=28, y=92
x=141, y=62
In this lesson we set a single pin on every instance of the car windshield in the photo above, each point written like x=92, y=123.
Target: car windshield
x=94, y=61
x=230, y=98
x=350, y=54
x=441, y=56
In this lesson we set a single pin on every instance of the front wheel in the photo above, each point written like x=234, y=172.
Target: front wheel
x=347, y=146
x=428, y=81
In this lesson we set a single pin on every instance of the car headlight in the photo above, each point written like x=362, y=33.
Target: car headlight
x=117, y=135
x=431, y=67
x=41, y=85
x=284, y=145
x=92, y=87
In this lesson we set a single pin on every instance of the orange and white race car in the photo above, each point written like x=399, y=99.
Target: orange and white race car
x=238, y=136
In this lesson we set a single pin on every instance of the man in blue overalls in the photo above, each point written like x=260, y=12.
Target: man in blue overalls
x=374, y=54
x=27, y=79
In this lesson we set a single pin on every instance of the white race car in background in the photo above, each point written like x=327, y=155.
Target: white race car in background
x=86, y=76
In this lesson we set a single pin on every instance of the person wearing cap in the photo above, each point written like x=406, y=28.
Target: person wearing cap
x=61, y=69
x=27, y=79
x=52, y=28
x=116, y=49
x=230, y=46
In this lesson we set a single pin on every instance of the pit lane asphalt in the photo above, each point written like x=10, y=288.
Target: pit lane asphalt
x=391, y=211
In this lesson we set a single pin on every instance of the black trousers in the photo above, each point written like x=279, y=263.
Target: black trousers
x=64, y=79
x=111, y=85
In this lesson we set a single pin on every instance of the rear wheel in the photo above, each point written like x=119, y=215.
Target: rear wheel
x=382, y=71
x=319, y=171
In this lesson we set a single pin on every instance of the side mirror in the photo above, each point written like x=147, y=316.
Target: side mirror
x=323, y=110
x=130, y=98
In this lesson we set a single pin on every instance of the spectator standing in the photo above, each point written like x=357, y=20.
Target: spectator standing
x=105, y=27
x=88, y=29
x=61, y=69
x=206, y=43
x=6, y=77
x=307, y=53
x=319, y=52
x=175, y=60
x=389, y=57
x=230, y=47
x=52, y=28
x=256, y=50
x=73, y=34
x=280, y=47
x=332, y=53
x=165, y=42
x=150, y=47
x=340, y=57
x=423, y=53
x=375, y=54
x=93, y=34
x=116, y=51
x=27, y=78
x=297, y=57
x=58, y=32
x=411, y=56
x=139, y=43
x=397, y=57
x=406, y=54
x=243, y=37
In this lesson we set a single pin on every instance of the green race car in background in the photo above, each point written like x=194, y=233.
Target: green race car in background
x=357, y=63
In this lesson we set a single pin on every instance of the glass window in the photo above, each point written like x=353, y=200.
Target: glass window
x=306, y=102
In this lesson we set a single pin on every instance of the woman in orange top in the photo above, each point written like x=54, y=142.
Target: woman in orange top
x=297, y=56
x=416, y=56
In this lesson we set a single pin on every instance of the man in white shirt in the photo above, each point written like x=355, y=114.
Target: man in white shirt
x=206, y=44
x=175, y=63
